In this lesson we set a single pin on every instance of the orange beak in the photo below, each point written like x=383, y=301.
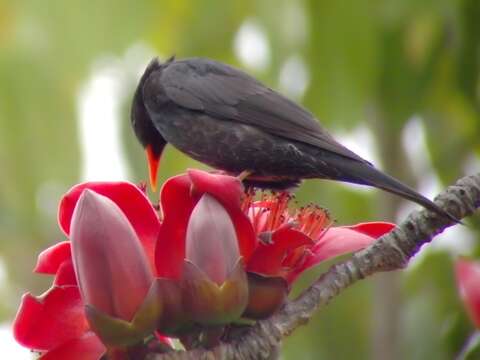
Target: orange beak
x=153, y=163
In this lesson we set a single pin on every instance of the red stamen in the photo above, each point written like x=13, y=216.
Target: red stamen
x=271, y=212
x=312, y=220
x=284, y=199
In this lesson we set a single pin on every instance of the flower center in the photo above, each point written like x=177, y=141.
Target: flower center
x=271, y=211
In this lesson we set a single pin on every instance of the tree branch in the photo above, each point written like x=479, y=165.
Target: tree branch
x=391, y=252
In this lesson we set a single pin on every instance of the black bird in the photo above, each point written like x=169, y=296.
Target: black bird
x=225, y=118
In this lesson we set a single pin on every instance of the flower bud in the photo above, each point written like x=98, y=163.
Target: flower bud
x=211, y=242
x=265, y=295
x=214, y=278
x=112, y=270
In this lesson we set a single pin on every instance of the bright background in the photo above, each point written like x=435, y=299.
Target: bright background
x=397, y=81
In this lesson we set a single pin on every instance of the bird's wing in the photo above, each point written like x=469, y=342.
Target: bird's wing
x=225, y=92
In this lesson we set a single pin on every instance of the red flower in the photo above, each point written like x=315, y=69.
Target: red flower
x=129, y=198
x=217, y=255
x=55, y=323
x=468, y=282
x=100, y=235
x=204, y=240
x=276, y=245
x=113, y=273
x=178, y=198
x=294, y=241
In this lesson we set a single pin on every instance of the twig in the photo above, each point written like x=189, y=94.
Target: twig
x=471, y=344
x=391, y=252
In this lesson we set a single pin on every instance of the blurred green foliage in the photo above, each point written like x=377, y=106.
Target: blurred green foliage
x=372, y=63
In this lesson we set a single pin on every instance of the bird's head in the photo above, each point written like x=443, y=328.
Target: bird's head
x=150, y=138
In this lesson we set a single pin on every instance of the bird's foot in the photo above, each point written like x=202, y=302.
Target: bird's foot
x=244, y=174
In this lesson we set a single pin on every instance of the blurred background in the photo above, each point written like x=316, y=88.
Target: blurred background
x=397, y=81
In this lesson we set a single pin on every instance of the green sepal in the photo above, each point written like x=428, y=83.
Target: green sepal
x=117, y=332
x=174, y=320
x=211, y=304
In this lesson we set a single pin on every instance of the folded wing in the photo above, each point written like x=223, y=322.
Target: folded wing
x=227, y=93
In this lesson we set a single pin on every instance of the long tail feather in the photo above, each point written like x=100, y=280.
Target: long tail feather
x=365, y=174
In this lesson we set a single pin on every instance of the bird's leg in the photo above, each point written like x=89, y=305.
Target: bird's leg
x=244, y=174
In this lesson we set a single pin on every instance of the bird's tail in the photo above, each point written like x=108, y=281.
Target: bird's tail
x=365, y=174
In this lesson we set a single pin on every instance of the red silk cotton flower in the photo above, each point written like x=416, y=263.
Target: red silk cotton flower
x=297, y=239
x=276, y=244
x=292, y=241
x=468, y=283
x=55, y=324
x=216, y=255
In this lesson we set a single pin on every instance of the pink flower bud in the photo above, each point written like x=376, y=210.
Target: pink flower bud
x=112, y=270
x=211, y=242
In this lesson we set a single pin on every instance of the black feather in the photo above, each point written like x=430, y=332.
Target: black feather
x=225, y=118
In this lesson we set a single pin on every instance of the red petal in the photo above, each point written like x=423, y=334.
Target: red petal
x=338, y=241
x=129, y=198
x=258, y=215
x=267, y=258
x=373, y=229
x=46, y=322
x=228, y=190
x=341, y=240
x=50, y=259
x=468, y=282
x=65, y=274
x=247, y=240
x=177, y=205
x=57, y=259
x=88, y=347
